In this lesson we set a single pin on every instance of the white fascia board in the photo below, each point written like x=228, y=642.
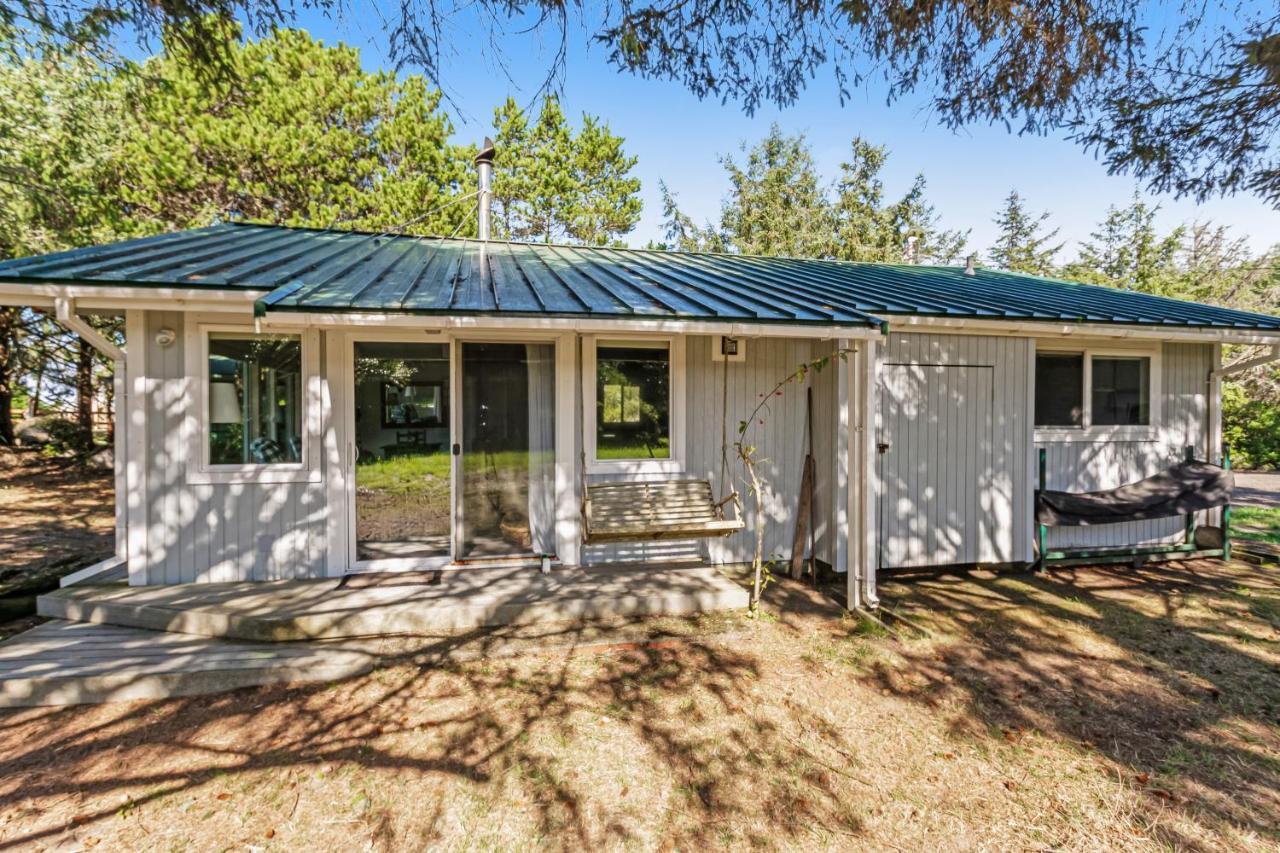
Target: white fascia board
x=656, y=326
x=93, y=297
x=1053, y=328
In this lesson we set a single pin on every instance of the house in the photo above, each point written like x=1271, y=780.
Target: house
x=305, y=403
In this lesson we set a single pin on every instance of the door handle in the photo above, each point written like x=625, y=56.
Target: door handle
x=882, y=447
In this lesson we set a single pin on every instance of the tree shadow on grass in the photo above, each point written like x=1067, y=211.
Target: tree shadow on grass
x=1170, y=671
x=657, y=740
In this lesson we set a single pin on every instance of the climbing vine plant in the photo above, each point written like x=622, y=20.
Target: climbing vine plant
x=747, y=452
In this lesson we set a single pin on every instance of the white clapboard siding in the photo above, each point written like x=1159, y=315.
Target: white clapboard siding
x=934, y=510
x=222, y=532
x=994, y=528
x=1092, y=466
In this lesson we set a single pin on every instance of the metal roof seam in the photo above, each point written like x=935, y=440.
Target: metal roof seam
x=564, y=282
x=698, y=300
x=751, y=302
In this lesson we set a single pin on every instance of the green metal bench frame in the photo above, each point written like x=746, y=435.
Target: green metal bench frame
x=1187, y=549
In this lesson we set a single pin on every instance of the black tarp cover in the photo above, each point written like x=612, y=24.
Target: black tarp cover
x=1186, y=487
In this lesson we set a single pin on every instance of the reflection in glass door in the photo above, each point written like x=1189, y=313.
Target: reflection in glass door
x=507, y=494
x=402, y=450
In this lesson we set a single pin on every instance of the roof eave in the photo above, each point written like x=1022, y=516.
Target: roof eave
x=1064, y=328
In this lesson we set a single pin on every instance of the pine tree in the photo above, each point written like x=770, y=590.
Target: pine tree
x=1127, y=252
x=513, y=168
x=606, y=202
x=551, y=183
x=301, y=135
x=1023, y=245
x=776, y=203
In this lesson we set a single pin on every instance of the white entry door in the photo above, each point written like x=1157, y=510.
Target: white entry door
x=935, y=450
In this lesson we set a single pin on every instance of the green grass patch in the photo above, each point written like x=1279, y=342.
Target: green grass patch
x=1260, y=525
x=633, y=451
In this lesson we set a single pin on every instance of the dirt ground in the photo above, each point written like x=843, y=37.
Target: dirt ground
x=55, y=517
x=1086, y=709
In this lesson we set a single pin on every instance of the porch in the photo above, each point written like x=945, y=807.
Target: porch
x=399, y=603
x=114, y=642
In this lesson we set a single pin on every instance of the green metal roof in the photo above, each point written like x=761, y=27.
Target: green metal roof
x=304, y=269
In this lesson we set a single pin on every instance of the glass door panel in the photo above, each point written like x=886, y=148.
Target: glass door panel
x=507, y=468
x=402, y=450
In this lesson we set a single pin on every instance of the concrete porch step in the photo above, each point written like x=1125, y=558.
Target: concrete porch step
x=73, y=663
x=408, y=603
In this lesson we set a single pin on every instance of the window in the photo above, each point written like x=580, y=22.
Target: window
x=255, y=399
x=1090, y=389
x=1121, y=391
x=1059, y=389
x=633, y=401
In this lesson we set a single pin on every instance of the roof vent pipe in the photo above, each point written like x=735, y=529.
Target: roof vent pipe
x=971, y=265
x=913, y=249
x=484, y=170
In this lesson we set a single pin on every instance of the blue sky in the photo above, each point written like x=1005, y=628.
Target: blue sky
x=679, y=139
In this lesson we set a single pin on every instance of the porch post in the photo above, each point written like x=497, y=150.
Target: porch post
x=568, y=536
x=134, y=408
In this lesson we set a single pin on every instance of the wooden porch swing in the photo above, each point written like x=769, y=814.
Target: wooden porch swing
x=643, y=511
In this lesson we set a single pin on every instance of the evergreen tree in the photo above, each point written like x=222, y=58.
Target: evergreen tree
x=776, y=203
x=1023, y=245
x=867, y=229
x=513, y=168
x=301, y=134
x=551, y=183
x=1127, y=252
x=606, y=201
x=680, y=231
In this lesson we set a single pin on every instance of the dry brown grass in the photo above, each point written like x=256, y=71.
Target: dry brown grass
x=1087, y=709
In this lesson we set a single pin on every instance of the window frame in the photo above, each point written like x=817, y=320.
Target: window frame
x=203, y=471
x=1088, y=431
x=674, y=464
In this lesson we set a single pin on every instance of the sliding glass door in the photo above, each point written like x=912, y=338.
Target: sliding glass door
x=507, y=443
x=402, y=459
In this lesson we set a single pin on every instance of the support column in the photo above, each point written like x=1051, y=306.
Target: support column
x=134, y=408
x=568, y=500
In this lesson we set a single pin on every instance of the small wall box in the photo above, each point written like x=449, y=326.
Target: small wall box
x=726, y=348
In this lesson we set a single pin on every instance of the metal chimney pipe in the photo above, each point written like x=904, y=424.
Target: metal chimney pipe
x=484, y=170
x=971, y=265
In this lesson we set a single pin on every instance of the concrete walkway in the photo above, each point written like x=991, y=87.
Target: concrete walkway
x=1260, y=489
x=398, y=603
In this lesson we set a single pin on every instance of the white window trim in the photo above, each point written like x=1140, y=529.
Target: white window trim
x=673, y=465
x=1089, y=432
x=196, y=407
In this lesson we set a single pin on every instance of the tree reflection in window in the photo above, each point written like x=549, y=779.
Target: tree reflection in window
x=633, y=402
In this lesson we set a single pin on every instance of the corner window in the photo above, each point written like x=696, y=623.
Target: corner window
x=255, y=399
x=1092, y=390
x=1121, y=391
x=633, y=401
